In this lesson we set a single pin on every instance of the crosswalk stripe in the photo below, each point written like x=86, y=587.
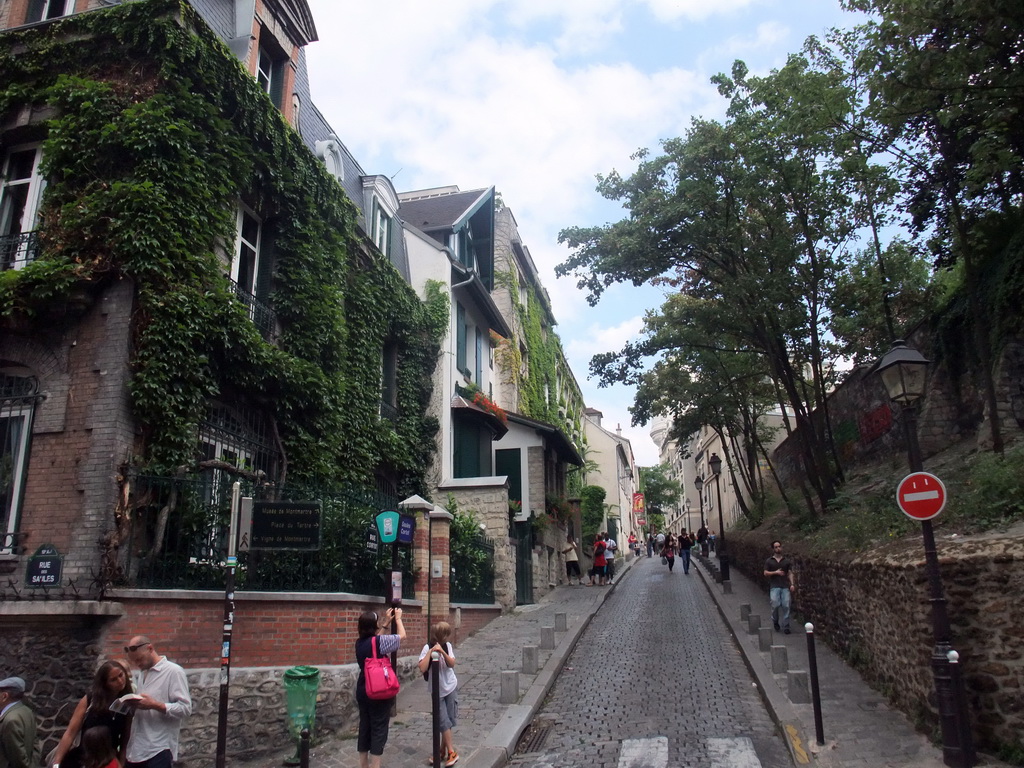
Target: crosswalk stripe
x=732, y=753
x=644, y=753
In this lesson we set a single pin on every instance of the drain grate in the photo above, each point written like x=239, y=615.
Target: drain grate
x=534, y=738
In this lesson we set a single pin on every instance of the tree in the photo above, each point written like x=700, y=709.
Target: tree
x=659, y=489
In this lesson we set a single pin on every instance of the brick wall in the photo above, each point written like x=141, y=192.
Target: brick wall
x=875, y=611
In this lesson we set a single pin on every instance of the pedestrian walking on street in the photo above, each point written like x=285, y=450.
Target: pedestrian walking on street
x=111, y=681
x=17, y=726
x=650, y=545
x=702, y=539
x=781, y=586
x=669, y=551
x=448, y=686
x=374, y=714
x=685, y=544
x=572, y=561
x=163, y=704
x=610, y=548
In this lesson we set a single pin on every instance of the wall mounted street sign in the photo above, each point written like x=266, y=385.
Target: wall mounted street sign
x=921, y=495
x=285, y=525
x=372, y=539
x=44, y=567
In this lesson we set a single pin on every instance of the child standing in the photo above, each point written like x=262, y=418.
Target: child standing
x=447, y=684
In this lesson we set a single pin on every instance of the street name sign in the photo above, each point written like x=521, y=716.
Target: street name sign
x=285, y=525
x=44, y=567
x=921, y=495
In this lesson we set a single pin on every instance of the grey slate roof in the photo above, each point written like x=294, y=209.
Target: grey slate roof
x=429, y=214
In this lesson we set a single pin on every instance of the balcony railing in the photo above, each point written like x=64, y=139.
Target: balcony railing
x=261, y=315
x=18, y=250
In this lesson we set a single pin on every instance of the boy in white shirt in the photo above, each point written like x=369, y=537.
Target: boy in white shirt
x=447, y=684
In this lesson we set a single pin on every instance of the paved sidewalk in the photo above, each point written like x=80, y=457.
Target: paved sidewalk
x=860, y=728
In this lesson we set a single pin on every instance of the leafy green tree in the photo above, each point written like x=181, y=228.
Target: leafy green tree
x=659, y=489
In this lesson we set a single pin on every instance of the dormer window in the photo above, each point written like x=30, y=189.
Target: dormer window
x=265, y=70
x=381, y=228
x=44, y=10
x=380, y=207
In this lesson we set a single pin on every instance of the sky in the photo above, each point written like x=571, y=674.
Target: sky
x=538, y=97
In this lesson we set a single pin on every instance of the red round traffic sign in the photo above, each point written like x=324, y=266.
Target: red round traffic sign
x=921, y=495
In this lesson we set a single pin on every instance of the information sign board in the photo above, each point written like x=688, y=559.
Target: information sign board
x=285, y=525
x=44, y=567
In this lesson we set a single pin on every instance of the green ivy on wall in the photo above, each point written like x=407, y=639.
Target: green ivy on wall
x=155, y=132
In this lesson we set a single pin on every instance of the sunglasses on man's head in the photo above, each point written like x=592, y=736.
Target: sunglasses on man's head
x=134, y=648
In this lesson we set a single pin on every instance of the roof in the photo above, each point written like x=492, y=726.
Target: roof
x=444, y=210
x=555, y=437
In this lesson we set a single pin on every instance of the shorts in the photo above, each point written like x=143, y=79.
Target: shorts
x=572, y=568
x=449, y=711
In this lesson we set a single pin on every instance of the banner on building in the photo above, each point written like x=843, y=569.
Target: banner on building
x=639, y=510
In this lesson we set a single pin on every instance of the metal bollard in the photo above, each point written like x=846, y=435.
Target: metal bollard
x=547, y=638
x=509, y=687
x=304, y=748
x=435, y=705
x=531, y=660
x=967, y=753
x=560, y=622
x=812, y=661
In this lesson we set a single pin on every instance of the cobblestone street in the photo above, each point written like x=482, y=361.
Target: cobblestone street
x=656, y=661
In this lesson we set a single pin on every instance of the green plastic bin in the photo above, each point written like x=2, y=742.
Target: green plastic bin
x=300, y=687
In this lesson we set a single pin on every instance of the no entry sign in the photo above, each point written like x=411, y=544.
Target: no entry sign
x=921, y=495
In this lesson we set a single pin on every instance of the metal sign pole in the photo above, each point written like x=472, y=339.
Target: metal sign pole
x=229, y=620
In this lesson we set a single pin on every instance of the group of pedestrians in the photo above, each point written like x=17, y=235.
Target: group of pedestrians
x=603, y=553
x=115, y=723
x=668, y=546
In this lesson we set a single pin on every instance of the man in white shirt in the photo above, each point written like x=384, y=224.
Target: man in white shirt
x=164, y=703
x=610, y=548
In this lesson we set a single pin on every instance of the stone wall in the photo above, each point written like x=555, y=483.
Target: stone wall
x=875, y=611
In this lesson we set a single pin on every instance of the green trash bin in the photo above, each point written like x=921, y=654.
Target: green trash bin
x=300, y=687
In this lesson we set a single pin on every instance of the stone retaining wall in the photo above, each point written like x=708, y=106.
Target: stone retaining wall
x=874, y=609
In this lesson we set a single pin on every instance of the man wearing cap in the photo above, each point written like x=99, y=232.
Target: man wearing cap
x=17, y=726
x=164, y=703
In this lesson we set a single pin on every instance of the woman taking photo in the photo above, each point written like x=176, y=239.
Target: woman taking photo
x=110, y=682
x=374, y=714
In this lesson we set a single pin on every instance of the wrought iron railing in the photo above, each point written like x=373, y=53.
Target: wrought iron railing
x=18, y=250
x=472, y=575
x=261, y=315
x=193, y=514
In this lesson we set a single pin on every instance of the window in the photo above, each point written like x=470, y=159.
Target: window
x=270, y=73
x=42, y=10
x=246, y=262
x=460, y=338
x=235, y=436
x=265, y=70
x=17, y=399
x=472, y=448
x=479, y=356
x=380, y=228
x=19, y=206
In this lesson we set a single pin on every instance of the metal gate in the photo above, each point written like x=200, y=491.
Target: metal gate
x=524, y=563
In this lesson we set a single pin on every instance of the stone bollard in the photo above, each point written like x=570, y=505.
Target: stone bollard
x=531, y=660
x=764, y=639
x=798, y=690
x=744, y=611
x=560, y=623
x=509, y=687
x=780, y=659
x=753, y=623
x=547, y=638
x=726, y=587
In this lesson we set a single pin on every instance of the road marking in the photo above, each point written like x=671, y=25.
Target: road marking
x=799, y=753
x=732, y=753
x=644, y=753
x=920, y=495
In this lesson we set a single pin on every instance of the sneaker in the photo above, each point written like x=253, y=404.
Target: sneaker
x=453, y=758
x=776, y=625
x=786, y=630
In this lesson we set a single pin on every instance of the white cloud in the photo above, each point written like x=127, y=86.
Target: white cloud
x=671, y=10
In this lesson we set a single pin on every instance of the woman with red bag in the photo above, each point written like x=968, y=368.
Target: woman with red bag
x=374, y=714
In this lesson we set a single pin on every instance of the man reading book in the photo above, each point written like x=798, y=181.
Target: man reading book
x=163, y=703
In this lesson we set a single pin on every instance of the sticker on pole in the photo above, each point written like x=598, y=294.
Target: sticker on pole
x=921, y=495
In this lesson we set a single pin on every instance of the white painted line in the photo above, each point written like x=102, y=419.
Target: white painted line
x=644, y=753
x=732, y=753
x=920, y=495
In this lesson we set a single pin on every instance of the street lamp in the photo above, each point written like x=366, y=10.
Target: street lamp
x=687, y=505
x=699, y=483
x=904, y=372
x=723, y=557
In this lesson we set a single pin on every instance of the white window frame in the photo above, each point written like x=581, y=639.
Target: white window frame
x=62, y=8
x=240, y=243
x=20, y=409
x=265, y=66
x=30, y=213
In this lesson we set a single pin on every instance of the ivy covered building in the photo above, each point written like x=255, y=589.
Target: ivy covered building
x=198, y=285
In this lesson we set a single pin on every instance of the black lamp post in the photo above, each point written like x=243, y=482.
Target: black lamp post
x=699, y=485
x=715, y=462
x=904, y=372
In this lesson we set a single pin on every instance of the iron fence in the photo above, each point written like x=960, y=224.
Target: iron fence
x=180, y=529
x=472, y=564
